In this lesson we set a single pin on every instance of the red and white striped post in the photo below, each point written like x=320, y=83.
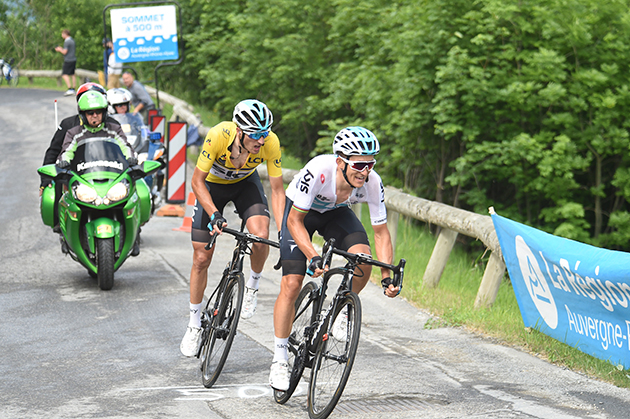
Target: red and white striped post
x=156, y=124
x=176, y=165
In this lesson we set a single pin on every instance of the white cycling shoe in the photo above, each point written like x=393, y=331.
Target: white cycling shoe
x=190, y=342
x=340, y=326
x=279, y=376
x=250, y=301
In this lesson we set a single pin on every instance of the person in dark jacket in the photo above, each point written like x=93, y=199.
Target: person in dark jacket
x=54, y=149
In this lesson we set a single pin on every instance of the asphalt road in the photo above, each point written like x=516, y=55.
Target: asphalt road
x=69, y=350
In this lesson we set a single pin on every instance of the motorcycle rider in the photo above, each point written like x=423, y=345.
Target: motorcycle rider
x=119, y=99
x=54, y=149
x=93, y=111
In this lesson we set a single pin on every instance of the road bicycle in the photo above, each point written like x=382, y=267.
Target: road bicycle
x=9, y=73
x=219, y=320
x=326, y=339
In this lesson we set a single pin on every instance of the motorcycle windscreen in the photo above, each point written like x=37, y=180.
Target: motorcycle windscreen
x=98, y=155
x=131, y=126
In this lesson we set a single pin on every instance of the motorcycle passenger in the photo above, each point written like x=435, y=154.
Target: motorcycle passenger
x=226, y=171
x=319, y=199
x=131, y=123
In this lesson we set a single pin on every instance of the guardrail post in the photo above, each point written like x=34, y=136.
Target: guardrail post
x=356, y=208
x=490, y=282
x=439, y=257
x=392, y=225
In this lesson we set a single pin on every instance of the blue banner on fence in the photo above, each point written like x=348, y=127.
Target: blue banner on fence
x=576, y=293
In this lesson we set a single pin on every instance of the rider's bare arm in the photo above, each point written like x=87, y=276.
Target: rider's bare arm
x=384, y=253
x=198, y=184
x=277, y=199
x=295, y=224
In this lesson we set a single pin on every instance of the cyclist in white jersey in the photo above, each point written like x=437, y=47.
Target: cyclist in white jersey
x=319, y=199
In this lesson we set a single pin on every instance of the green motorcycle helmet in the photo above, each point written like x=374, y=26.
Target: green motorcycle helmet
x=92, y=101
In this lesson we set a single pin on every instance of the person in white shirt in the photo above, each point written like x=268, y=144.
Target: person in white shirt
x=319, y=199
x=114, y=68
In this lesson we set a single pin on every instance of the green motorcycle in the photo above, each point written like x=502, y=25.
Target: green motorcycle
x=103, y=204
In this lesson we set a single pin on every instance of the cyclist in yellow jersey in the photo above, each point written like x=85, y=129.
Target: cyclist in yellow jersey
x=226, y=171
x=218, y=161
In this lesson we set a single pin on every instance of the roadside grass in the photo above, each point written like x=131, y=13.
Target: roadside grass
x=451, y=303
x=41, y=83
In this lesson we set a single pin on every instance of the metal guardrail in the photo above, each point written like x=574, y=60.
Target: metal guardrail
x=453, y=221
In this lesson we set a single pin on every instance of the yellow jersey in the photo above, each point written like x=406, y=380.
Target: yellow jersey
x=215, y=156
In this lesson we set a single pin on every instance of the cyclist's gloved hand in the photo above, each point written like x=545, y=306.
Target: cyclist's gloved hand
x=313, y=264
x=132, y=161
x=216, y=220
x=385, y=283
x=63, y=164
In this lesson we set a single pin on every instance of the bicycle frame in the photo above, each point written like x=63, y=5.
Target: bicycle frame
x=220, y=317
x=314, y=332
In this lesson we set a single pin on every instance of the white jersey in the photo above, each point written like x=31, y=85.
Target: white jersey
x=314, y=188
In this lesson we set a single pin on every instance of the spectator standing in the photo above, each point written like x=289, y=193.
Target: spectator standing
x=69, y=61
x=114, y=68
x=140, y=99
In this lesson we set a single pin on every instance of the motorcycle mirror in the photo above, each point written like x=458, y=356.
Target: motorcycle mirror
x=49, y=170
x=151, y=166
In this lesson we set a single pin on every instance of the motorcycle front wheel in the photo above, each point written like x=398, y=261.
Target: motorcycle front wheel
x=105, y=263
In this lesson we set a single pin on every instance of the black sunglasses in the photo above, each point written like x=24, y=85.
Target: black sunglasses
x=97, y=112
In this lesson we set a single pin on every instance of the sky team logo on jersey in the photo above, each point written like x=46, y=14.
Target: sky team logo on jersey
x=322, y=178
x=304, y=183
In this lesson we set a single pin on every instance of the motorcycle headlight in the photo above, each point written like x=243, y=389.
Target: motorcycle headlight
x=118, y=191
x=84, y=193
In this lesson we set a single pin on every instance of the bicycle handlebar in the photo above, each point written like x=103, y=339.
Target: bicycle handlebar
x=241, y=236
x=362, y=258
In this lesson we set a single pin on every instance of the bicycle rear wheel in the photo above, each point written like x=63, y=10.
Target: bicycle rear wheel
x=216, y=347
x=334, y=358
x=304, y=316
x=14, y=77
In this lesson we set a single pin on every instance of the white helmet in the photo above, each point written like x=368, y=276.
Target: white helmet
x=252, y=116
x=356, y=141
x=118, y=96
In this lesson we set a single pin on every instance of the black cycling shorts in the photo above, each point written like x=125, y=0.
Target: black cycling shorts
x=247, y=195
x=341, y=224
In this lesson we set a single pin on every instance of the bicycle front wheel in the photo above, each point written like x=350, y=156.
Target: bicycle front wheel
x=334, y=357
x=216, y=347
x=304, y=316
x=14, y=77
